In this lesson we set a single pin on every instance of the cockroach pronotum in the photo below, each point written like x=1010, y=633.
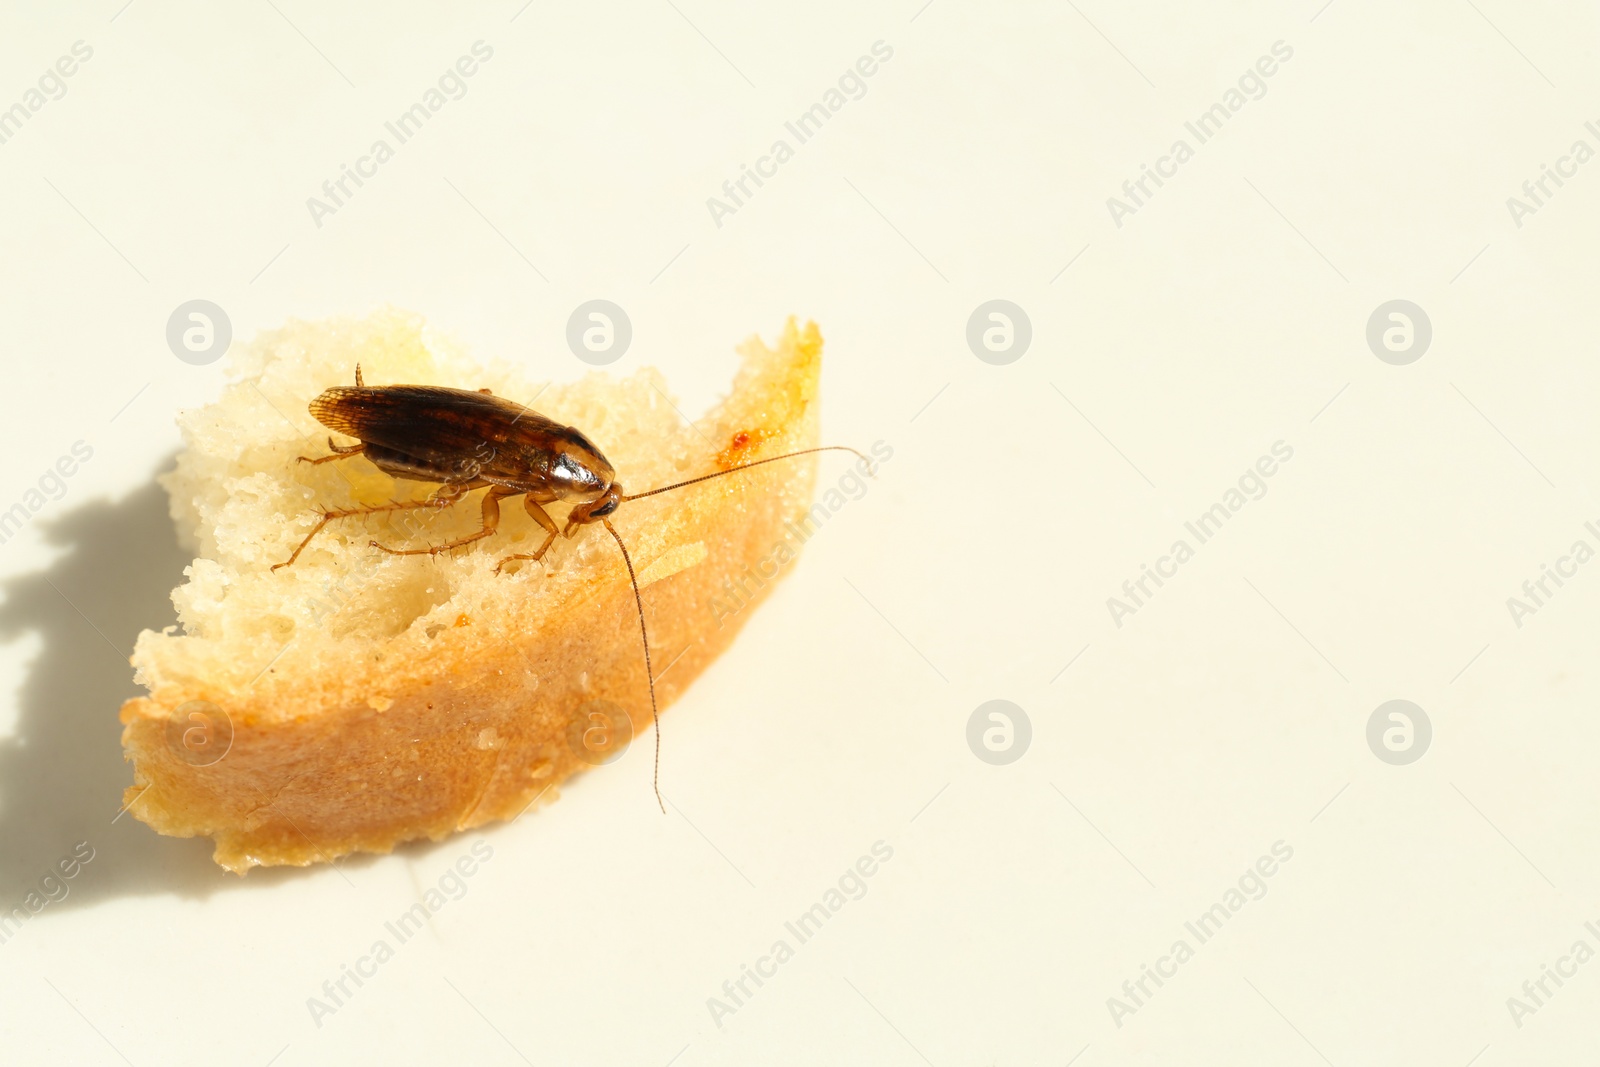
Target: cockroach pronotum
x=463, y=440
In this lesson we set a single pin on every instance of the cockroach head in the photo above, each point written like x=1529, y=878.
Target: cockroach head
x=594, y=510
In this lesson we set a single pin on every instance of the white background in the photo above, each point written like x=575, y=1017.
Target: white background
x=1227, y=714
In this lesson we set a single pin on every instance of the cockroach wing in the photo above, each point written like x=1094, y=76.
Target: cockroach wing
x=432, y=422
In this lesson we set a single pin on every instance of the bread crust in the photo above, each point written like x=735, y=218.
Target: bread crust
x=472, y=731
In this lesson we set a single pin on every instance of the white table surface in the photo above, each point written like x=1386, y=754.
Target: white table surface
x=1168, y=754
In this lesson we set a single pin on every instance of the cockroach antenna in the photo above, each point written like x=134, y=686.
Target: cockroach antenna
x=747, y=466
x=649, y=671
x=638, y=601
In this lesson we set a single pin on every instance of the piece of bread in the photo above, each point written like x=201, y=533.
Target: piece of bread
x=356, y=699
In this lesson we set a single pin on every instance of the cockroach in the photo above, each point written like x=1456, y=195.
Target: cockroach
x=462, y=440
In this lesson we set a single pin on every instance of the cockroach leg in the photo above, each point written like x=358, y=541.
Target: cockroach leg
x=329, y=516
x=543, y=519
x=339, y=452
x=491, y=521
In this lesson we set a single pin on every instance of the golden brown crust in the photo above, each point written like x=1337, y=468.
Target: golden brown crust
x=475, y=731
